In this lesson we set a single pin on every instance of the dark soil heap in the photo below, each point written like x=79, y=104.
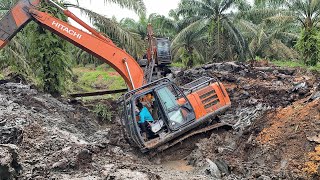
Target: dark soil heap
x=46, y=138
x=275, y=113
x=276, y=116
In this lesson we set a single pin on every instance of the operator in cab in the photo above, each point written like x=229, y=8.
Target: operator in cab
x=144, y=119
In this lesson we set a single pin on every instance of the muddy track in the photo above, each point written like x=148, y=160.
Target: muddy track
x=275, y=113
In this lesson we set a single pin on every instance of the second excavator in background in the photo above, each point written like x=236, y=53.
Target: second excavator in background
x=158, y=57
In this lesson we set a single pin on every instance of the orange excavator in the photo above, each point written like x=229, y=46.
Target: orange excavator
x=176, y=111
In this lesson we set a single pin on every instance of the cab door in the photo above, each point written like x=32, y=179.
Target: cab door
x=175, y=106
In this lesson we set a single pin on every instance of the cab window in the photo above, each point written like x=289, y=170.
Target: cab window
x=169, y=98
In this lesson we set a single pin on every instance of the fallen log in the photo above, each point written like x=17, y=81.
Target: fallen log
x=97, y=93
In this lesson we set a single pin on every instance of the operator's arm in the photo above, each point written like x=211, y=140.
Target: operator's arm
x=141, y=117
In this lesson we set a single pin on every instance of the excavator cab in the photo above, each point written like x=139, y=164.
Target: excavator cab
x=163, y=51
x=168, y=106
x=173, y=110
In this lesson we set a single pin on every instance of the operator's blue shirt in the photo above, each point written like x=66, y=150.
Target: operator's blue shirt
x=145, y=115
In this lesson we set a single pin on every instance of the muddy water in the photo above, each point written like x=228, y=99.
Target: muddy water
x=178, y=165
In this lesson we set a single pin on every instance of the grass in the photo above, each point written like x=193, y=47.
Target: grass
x=94, y=79
x=1, y=76
x=178, y=64
x=295, y=64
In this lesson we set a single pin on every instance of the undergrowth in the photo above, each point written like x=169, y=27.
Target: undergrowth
x=90, y=79
x=100, y=78
x=178, y=64
x=103, y=112
x=295, y=64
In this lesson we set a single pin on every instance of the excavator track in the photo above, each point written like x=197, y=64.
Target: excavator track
x=202, y=130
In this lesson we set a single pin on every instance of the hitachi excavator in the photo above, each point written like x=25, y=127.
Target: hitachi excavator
x=177, y=112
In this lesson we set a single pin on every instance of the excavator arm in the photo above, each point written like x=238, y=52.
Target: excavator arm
x=15, y=20
x=96, y=44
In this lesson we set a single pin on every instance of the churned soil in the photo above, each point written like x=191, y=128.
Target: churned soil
x=275, y=115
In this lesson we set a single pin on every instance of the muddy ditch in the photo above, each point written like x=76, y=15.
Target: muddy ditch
x=275, y=113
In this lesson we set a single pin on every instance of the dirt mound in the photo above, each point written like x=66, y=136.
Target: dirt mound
x=9, y=163
x=292, y=129
x=273, y=116
x=57, y=140
x=52, y=136
x=275, y=113
x=247, y=85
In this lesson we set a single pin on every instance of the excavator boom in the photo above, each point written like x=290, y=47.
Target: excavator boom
x=102, y=48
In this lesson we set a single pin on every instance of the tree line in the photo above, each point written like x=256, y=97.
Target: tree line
x=201, y=31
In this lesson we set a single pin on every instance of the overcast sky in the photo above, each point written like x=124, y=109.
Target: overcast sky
x=153, y=6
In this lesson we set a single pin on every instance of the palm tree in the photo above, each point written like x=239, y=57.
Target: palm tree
x=107, y=25
x=162, y=27
x=189, y=45
x=14, y=55
x=268, y=41
x=269, y=34
x=307, y=14
x=217, y=17
x=54, y=71
x=112, y=28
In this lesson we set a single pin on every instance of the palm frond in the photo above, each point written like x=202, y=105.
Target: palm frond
x=5, y=5
x=137, y=5
x=280, y=50
x=114, y=30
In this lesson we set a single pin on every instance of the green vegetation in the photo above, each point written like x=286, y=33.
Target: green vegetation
x=295, y=64
x=90, y=79
x=309, y=46
x=39, y=55
x=178, y=64
x=103, y=112
x=201, y=31
x=47, y=60
x=50, y=55
x=1, y=76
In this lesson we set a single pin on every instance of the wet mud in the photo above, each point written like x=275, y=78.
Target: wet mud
x=275, y=115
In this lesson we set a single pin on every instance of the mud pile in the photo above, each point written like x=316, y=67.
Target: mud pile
x=42, y=137
x=276, y=116
x=275, y=113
